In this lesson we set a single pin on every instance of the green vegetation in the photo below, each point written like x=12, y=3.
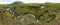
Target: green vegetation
x=29, y=14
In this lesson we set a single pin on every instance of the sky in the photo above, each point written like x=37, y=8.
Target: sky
x=28, y=1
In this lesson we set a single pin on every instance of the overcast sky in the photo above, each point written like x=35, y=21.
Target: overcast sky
x=28, y=1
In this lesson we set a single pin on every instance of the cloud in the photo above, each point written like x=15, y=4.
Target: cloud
x=36, y=1
x=27, y=1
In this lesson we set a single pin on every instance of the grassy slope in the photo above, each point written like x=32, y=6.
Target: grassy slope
x=52, y=8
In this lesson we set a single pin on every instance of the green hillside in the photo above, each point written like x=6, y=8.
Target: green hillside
x=30, y=14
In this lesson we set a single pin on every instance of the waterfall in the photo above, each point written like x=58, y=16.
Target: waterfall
x=42, y=7
x=37, y=20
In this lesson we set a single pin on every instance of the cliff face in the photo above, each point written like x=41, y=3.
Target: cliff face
x=30, y=14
